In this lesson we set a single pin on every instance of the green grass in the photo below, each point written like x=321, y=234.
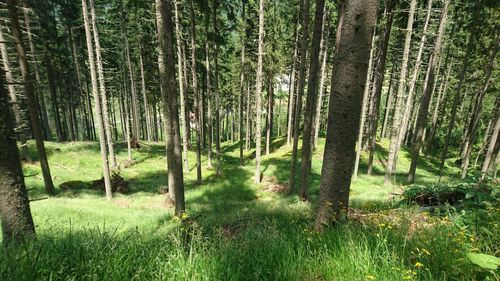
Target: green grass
x=236, y=230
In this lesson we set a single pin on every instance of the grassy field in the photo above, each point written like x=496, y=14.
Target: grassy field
x=235, y=230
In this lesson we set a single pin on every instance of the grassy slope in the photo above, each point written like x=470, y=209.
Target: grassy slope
x=240, y=230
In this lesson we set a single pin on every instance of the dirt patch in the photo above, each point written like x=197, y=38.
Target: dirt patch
x=270, y=184
x=118, y=184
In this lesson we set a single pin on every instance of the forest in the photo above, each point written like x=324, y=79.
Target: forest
x=249, y=140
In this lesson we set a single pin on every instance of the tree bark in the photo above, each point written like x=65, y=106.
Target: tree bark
x=208, y=93
x=348, y=83
x=169, y=97
x=145, y=100
x=15, y=213
x=396, y=122
x=242, y=80
x=258, y=89
x=218, y=166
x=293, y=74
x=97, y=103
x=494, y=142
x=31, y=98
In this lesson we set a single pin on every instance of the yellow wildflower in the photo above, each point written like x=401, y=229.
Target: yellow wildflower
x=418, y=264
x=370, y=277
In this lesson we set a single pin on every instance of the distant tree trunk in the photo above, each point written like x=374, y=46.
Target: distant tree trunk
x=258, y=89
x=494, y=143
x=323, y=58
x=97, y=103
x=183, y=100
x=438, y=109
x=53, y=93
x=378, y=82
x=20, y=131
x=31, y=98
x=270, y=110
x=248, y=140
x=217, y=96
x=300, y=92
x=423, y=110
x=78, y=75
x=145, y=100
x=389, y=99
x=15, y=214
x=208, y=93
x=456, y=102
x=102, y=87
x=478, y=106
x=348, y=83
x=41, y=96
x=391, y=161
x=242, y=80
x=311, y=101
x=293, y=74
x=364, y=109
x=197, y=99
x=169, y=99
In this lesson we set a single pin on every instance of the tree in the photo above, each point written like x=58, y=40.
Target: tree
x=15, y=213
x=311, y=100
x=258, y=89
x=493, y=145
x=396, y=122
x=31, y=98
x=242, y=78
x=423, y=110
x=169, y=97
x=217, y=95
x=348, y=83
x=97, y=102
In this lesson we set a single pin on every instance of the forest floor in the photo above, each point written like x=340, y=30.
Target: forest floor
x=235, y=229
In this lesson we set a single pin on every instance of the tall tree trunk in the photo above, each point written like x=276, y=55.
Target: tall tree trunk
x=53, y=93
x=389, y=99
x=293, y=74
x=423, y=110
x=478, y=106
x=169, y=98
x=311, y=100
x=183, y=99
x=494, y=142
x=218, y=166
x=97, y=103
x=456, y=102
x=15, y=213
x=248, y=136
x=348, y=83
x=208, y=93
x=364, y=109
x=396, y=122
x=438, y=109
x=258, y=89
x=102, y=87
x=31, y=98
x=77, y=73
x=41, y=96
x=242, y=80
x=20, y=131
x=270, y=110
x=323, y=70
x=378, y=82
x=197, y=99
x=300, y=92
x=145, y=100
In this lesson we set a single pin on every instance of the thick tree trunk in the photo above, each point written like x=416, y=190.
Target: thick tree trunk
x=423, y=110
x=15, y=214
x=348, y=83
x=183, y=99
x=378, y=82
x=258, y=89
x=169, y=99
x=97, y=103
x=478, y=106
x=300, y=93
x=311, y=101
x=102, y=87
x=31, y=98
x=396, y=122
x=197, y=98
